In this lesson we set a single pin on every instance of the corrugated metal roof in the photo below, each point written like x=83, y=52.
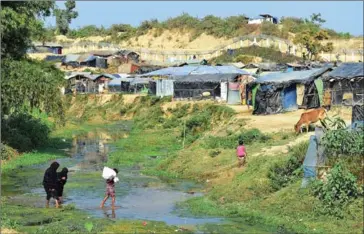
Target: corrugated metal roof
x=295, y=76
x=347, y=71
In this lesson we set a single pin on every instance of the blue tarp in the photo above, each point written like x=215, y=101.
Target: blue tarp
x=195, y=70
x=290, y=98
x=347, y=71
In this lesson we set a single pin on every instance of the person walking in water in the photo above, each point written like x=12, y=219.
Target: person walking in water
x=62, y=180
x=50, y=183
x=110, y=191
x=241, y=153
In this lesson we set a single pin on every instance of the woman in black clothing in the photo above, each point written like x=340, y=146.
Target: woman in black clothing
x=50, y=183
x=62, y=180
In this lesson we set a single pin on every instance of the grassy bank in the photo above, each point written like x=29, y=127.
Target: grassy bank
x=251, y=193
x=68, y=219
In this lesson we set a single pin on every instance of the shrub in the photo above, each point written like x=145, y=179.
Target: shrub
x=339, y=190
x=244, y=59
x=283, y=173
x=23, y=132
x=230, y=141
x=7, y=152
x=344, y=143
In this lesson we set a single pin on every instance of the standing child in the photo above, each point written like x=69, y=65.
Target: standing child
x=241, y=153
x=62, y=180
x=110, y=190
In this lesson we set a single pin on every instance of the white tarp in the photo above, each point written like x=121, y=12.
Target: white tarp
x=164, y=88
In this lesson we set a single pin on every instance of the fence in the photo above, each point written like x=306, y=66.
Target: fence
x=165, y=57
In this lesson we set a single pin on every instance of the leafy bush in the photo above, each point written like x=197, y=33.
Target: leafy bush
x=344, y=143
x=24, y=132
x=283, y=173
x=7, y=152
x=244, y=58
x=339, y=190
x=231, y=141
x=268, y=54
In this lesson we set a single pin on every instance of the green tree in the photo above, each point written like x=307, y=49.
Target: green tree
x=312, y=37
x=27, y=85
x=20, y=21
x=64, y=17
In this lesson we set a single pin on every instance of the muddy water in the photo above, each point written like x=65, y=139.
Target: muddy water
x=137, y=196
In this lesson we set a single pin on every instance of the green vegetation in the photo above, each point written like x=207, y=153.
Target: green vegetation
x=337, y=193
x=64, y=17
x=228, y=27
x=311, y=37
x=283, y=173
x=246, y=55
x=28, y=159
x=69, y=220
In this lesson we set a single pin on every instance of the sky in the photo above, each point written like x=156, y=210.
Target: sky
x=342, y=16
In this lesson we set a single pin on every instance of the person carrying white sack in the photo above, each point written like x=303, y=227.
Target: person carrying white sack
x=110, y=176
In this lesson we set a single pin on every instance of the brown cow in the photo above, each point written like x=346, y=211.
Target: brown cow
x=311, y=116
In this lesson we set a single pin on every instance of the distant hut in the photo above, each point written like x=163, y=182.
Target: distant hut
x=287, y=91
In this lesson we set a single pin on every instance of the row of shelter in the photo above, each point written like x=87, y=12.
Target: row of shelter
x=275, y=92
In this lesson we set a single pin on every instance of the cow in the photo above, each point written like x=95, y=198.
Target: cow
x=309, y=117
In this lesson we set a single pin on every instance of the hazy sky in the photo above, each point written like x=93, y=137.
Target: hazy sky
x=342, y=16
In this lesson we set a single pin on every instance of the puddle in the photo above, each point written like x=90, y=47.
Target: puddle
x=137, y=196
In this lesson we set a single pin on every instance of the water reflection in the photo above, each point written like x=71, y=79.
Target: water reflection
x=93, y=148
x=107, y=213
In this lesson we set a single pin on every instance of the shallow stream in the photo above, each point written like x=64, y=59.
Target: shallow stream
x=137, y=196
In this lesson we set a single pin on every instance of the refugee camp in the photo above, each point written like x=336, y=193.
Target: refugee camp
x=208, y=117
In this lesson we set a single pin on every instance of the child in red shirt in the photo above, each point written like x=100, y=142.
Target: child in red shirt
x=241, y=153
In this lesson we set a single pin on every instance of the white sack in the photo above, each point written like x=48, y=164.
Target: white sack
x=108, y=173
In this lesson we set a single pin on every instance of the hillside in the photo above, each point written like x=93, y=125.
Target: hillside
x=182, y=40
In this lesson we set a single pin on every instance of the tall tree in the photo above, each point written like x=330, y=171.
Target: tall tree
x=64, y=17
x=27, y=84
x=20, y=21
x=312, y=37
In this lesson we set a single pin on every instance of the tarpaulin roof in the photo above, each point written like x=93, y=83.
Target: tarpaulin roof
x=195, y=70
x=295, y=76
x=84, y=74
x=347, y=71
x=140, y=81
x=204, y=78
x=71, y=58
x=78, y=58
x=117, y=81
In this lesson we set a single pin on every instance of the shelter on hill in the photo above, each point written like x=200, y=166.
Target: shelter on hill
x=81, y=82
x=88, y=60
x=120, y=83
x=345, y=85
x=278, y=92
x=192, y=81
x=47, y=47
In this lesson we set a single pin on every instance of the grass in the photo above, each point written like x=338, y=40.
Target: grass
x=144, y=147
x=28, y=159
x=68, y=219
